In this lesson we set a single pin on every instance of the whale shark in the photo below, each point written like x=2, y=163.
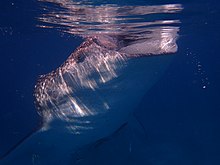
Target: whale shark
x=94, y=92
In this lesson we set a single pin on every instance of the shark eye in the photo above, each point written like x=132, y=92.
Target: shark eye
x=81, y=58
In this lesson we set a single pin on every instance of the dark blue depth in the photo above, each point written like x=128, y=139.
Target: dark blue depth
x=180, y=113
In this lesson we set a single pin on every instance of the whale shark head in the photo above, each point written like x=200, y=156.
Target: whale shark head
x=102, y=81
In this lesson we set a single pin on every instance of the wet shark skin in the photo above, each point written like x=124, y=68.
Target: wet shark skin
x=86, y=99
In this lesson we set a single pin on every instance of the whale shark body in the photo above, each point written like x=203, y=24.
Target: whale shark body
x=93, y=94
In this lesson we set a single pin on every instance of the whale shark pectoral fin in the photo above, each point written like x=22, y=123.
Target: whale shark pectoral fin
x=137, y=128
x=127, y=142
x=84, y=153
x=42, y=147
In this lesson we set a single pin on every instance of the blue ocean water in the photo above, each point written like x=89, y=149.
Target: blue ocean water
x=180, y=113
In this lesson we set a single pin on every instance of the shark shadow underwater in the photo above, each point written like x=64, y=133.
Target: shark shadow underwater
x=93, y=93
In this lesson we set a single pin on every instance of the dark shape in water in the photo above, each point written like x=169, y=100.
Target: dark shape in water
x=96, y=89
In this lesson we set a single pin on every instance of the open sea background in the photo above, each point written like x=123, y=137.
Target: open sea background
x=180, y=113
